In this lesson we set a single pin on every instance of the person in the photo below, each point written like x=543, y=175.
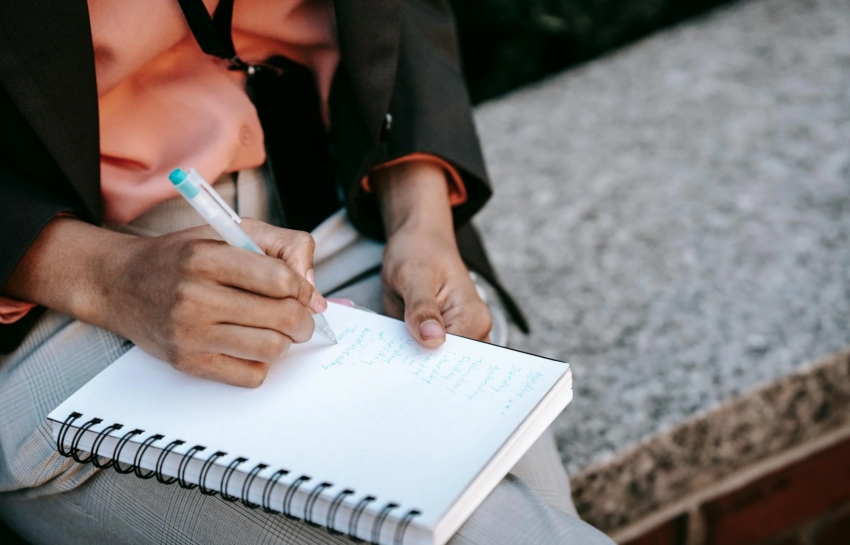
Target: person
x=348, y=119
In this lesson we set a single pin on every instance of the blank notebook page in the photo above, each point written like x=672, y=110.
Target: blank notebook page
x=376, y=413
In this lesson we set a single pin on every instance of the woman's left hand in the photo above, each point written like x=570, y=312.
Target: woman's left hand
x=425, y=280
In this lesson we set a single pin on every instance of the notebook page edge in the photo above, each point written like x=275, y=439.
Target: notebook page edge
x=514, y=447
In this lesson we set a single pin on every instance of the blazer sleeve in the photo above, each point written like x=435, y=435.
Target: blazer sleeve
x=430, y=110
x=30, y=196
x=25, y=209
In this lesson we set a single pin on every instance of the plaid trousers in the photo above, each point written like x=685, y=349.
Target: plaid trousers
x=50, y=499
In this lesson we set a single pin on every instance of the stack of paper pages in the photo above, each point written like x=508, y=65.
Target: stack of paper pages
x=376, y=437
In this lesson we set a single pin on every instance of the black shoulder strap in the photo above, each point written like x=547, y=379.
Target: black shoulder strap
x=211, y=33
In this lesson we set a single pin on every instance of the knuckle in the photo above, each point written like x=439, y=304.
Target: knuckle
x=424, y=309
x=403, y=271
x=249, y=223
x=287, y=342
x=300, y=323
x=256, y=374
x=201, y=258
x=185, y=363
x=485, y=320
x=286, y=321
x=273, y=346
x=304, y=292
x=178, y=342
x=256, y=228
x=184, y=301
x=410, y=278
x=295, y=286
x=284, y=278
x=175, y=358
x=193, y=253
x=305, y=241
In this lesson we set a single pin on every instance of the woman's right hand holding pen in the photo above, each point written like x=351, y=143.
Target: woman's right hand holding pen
x=207, y=308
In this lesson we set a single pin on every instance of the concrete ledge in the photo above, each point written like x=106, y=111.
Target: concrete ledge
x=675, y=219
x=717, y=452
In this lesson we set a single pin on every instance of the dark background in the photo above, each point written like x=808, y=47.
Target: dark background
x=508, y=43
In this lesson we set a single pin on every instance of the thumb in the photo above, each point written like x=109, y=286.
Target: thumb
x=422, y=314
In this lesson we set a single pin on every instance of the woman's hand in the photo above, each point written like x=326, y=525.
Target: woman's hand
x=425, y=280
x=207, y=308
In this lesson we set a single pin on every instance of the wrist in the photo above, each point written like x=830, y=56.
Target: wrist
x=63, y=269
x=106, y=266
x=414, y=197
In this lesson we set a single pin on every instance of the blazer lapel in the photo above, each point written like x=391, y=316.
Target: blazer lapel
x=47, y=68
x=369, y=41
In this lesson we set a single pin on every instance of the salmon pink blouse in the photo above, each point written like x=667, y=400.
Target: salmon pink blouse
x=164, y=103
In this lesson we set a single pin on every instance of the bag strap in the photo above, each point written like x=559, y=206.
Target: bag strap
x=212, y=32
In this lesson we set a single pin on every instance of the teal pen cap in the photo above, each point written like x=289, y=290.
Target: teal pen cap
x=177, y=175
x=186, y=188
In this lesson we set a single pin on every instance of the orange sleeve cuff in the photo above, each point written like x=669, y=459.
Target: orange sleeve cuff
x=12, y=310
x=457, y=191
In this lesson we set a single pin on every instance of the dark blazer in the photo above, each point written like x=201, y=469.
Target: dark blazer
x=398, y=57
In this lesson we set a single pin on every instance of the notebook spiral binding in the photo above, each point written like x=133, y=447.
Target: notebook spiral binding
x=95, y=458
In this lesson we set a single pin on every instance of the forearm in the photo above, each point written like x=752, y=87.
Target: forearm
x=65, y=267
x=414, y=196
x=207, y=308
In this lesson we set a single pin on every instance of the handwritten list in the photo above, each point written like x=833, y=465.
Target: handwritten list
x=470, y=377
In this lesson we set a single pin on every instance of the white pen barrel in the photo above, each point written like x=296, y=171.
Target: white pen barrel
x=233, y=234
x=190, y=185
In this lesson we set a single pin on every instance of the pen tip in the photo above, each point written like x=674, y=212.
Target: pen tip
x=323, y=328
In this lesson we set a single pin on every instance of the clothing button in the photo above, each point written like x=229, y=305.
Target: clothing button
x=245, y=134
x=388, y=122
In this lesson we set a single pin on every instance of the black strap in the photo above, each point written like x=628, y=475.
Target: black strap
x=297, y=144
x=211, y=33
x=288, y=103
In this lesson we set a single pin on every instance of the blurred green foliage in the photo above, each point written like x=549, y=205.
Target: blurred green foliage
x=508, y=43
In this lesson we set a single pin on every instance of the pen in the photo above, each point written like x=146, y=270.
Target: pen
x=225, y=221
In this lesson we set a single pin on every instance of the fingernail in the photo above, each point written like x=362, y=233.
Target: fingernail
x=343, y=302
x=318, y=303
x=431, y=329
x=311, y=278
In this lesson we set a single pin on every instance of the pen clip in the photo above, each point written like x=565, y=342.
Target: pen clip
x=214, y=194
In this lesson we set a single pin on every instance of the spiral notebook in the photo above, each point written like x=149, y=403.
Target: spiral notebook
x=375, y=437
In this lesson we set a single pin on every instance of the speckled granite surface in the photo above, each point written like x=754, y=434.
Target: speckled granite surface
x=676, y=220
x=703, y=450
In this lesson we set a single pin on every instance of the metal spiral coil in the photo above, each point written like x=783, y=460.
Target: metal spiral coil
x=75, y=442
x=205, y=469
x=311, y=501
x=225, y=479
x=160, y=461
x=292, y=488
x=140, y=453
